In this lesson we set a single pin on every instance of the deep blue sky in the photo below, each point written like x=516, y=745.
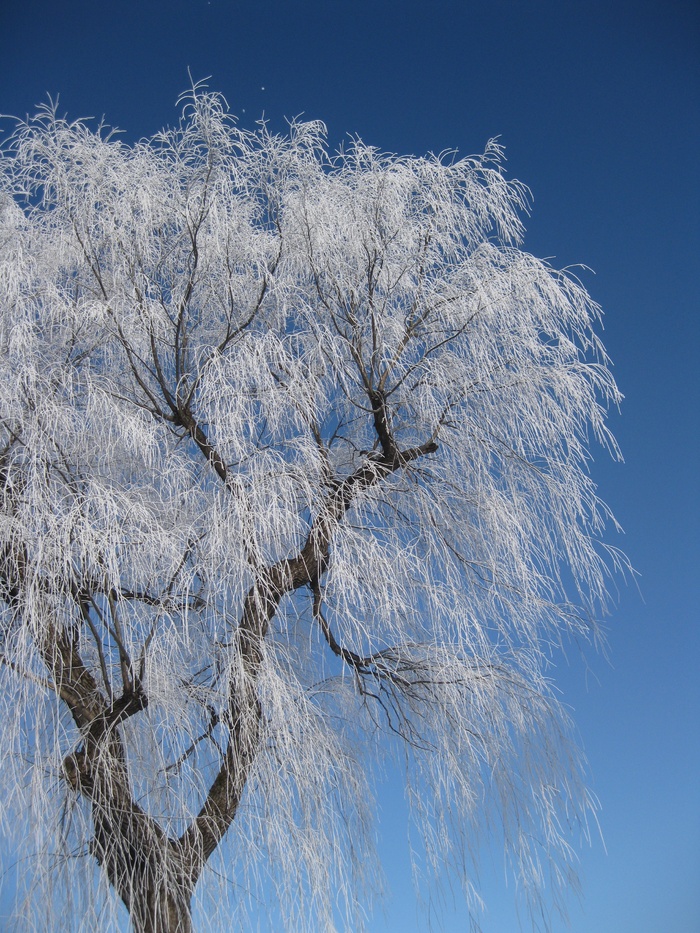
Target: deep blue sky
x=598, y=105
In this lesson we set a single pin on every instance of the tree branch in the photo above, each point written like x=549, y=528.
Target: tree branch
x=218, y=811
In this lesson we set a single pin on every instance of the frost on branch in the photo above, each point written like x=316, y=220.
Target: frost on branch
x=293, y=475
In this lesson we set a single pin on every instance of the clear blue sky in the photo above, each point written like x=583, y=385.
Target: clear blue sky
x=598, y=104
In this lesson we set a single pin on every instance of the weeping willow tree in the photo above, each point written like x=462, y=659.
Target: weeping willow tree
x=293, y=476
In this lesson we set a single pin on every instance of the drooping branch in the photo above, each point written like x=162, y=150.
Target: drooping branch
x=381, y=665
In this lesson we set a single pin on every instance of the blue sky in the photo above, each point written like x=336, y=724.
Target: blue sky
x=598, y=105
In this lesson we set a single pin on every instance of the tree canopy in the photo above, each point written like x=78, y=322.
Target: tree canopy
x=294, y=457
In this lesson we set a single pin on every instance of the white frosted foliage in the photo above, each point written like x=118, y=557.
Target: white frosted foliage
x=294, y=457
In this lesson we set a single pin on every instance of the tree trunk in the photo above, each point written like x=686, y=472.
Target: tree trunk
x=152, y=884
x=151, y=873
x=160, y=908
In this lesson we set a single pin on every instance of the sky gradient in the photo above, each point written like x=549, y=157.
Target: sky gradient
x=598, y=105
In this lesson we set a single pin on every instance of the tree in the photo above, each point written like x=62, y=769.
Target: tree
x=294, y=476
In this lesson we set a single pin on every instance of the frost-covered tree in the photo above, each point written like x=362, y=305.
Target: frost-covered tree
x=293, y=477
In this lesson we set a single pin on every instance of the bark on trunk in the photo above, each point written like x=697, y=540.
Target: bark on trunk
x=151, y=873
x=160, y=909
x=149, y=877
